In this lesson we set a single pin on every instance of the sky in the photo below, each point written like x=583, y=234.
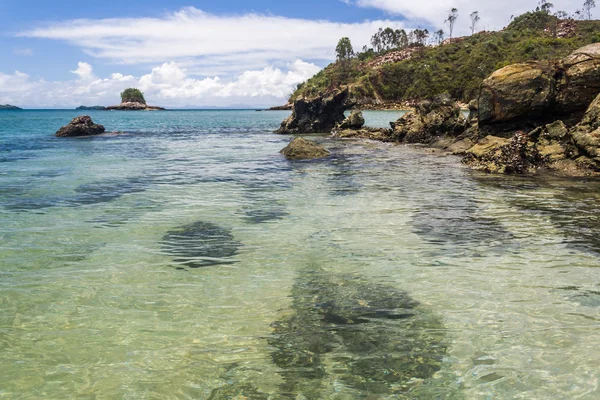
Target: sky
x=195, y=54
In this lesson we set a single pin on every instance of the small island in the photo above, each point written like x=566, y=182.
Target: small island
x=132, y=99
x=9, y=107
x=90, y=108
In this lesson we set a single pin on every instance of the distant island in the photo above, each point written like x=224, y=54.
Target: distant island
x=9, y=107
x=132, y=99
x=86, y=108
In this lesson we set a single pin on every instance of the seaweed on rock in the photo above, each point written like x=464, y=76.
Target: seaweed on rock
x=373, y=338
x=201, y=244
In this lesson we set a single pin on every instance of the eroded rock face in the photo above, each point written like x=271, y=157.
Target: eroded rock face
x=586, y=135
x=541, y=91
x=578, y=80
x=316, y=115
x=354, y=121
x=80, y=126
x=430, y=120
x=302, y=149
x=516, y=91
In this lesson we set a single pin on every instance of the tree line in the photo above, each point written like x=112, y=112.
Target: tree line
x=389, y=39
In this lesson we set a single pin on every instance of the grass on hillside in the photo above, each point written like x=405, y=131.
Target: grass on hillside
x=456, y=68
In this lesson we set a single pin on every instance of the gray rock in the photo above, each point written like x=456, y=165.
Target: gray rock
x=80, y=126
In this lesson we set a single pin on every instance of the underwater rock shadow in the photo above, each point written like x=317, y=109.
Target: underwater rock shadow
x=201, y=244
x=372, y=337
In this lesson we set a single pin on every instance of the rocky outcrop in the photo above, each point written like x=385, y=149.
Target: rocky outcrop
x=285, y=107
x=518, y=155
x=316, y=115
x=80, y=126
x=302, y=149
x=379, y=134
x=586, y=135
x=354, y=121
x=537, y=92
x=430, y=120
x=134, y=106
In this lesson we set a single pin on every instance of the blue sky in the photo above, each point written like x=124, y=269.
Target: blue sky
x=198, y=53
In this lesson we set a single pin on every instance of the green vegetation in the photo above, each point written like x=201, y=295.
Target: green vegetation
x=132, y=95
x=457, y=67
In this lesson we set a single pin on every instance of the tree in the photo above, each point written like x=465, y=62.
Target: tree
x=546, y=6
x=132, y=95
x=344, y=50
x=388, y=39
x=420, y=36
x=439, y=36
x=474, y=20
x=587, y=8
x=452, y=17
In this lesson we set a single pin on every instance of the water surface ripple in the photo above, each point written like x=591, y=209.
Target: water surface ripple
x=186, y=258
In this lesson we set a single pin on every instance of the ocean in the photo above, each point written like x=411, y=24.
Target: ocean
x=185, y=258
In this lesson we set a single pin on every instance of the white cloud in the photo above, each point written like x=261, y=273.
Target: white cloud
x=167, y=85
x=84, y=71
x=209, y=41
x=494, y=14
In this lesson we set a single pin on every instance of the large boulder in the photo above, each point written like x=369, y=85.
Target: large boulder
x=516, y=91
x=316, y=115
x=302, y=149
x=430, y=120
x=578, y=80
x=538, y=92
x=80, y=126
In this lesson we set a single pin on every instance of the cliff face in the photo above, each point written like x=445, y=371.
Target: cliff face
x=457, y=67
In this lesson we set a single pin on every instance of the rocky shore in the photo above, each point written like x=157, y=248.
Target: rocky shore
x=528, y=117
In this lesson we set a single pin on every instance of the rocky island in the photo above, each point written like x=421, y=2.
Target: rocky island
x=9, y=107
x=133, y=100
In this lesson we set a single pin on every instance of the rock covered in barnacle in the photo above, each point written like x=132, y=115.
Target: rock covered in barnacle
x=302, y=149
x=80, y=126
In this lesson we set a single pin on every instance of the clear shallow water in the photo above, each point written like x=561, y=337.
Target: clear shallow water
x=382, y=272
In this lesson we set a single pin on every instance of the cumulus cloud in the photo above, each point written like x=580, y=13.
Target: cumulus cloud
x=494, y=14
x=168, y=84
x=208, y=40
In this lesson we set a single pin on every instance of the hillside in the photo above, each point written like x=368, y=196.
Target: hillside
x=458, y=66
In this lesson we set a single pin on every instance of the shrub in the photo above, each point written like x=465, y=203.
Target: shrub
x=132, y=95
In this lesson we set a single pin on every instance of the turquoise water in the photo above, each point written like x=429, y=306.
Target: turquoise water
x=185, y=258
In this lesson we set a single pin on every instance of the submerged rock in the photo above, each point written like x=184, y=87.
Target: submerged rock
x=201, y=244
x=316, y=115
x=377, y=336
x=80, y=126
x=300, y=149
x=380, y=134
